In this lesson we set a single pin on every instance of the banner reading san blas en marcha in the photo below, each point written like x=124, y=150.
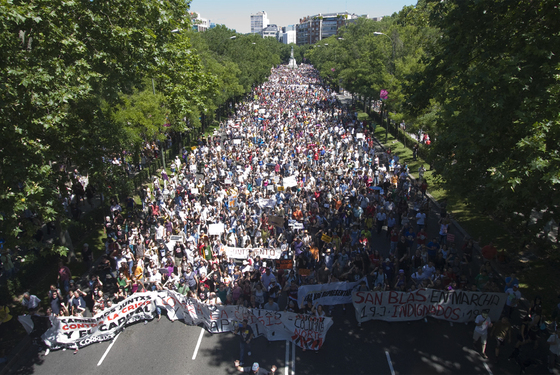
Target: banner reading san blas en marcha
x=455, y=306
x=305, y=331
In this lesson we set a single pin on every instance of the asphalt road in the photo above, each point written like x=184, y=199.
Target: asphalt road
x=432, y=347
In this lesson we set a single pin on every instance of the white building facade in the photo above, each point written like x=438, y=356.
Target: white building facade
x=259, y=21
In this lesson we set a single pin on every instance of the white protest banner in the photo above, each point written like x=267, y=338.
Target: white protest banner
x=194, y=191
x=243, y=253
x=306, y=331
x=75, y=331
x=297, y=225
x=216, y=229
x=327, y=294
x=360, y=136
x=237, y=141
x=455, y=306
x=289, y=181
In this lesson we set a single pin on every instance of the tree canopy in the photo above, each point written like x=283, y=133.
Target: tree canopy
x=77, y=91
x=491, y=85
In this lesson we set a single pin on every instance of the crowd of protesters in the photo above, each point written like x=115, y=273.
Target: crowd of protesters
x=345, y=193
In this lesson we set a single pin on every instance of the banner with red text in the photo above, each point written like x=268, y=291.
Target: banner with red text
x=306, y=331
x=455, y=306
x=73, y=331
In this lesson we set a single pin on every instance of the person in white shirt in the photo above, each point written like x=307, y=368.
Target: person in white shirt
x=30, y=301
x=554, y=342
x=420, y=220
x=482, y=322
x=418, y=276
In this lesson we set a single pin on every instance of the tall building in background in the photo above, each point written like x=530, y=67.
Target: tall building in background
x=259, y=21
x=312, y=29
x=199, y=24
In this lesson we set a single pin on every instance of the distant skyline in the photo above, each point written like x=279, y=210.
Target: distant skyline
x=237, y=14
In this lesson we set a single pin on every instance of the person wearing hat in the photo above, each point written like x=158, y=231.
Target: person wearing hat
x=255, y=369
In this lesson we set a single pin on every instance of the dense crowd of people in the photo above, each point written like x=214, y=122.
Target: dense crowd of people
x=343, y=192
x=292, y=170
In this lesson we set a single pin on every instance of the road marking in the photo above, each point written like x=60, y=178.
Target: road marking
x=293, y=358
x=487, y=368
x=198, y=344
x=107, y=351
x=390, y=363
x=286, y=362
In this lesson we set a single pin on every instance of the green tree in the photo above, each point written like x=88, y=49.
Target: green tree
x=61, y=62
x=493, y=77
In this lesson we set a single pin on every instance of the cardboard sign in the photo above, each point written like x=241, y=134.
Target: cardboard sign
x=326, y=238
x=277, y=221
x=284, y=264
x=304, y=272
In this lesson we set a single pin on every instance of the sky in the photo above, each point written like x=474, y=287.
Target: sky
x=236, y=14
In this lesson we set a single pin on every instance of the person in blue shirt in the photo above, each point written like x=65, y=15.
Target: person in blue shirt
x=511, y=280
x=433, y=247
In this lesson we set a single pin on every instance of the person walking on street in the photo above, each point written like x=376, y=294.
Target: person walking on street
x=245, y=333
x=500, y=330
x=482, y=322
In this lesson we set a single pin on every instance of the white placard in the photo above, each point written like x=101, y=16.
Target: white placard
x=237, y=141
x=289, y=181
x=360, y=136
x=243, y=253
x=194, y=191
x=216, y=229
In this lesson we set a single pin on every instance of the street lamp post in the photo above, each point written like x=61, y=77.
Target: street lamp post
x=392, y=72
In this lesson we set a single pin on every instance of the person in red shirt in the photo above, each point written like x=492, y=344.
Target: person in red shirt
x=489, y=251
x=421, y=237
